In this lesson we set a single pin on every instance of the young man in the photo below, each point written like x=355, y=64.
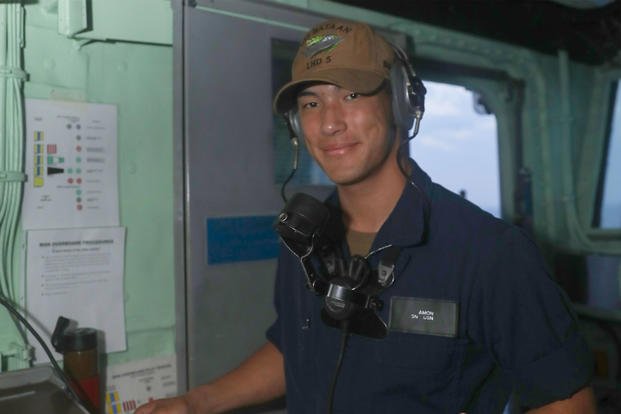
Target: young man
x=472, y=315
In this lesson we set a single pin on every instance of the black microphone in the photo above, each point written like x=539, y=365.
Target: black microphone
x=314, y=232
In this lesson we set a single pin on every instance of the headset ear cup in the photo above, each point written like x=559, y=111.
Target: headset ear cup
x=408, y=93
x=294, y=122
x=402, y=109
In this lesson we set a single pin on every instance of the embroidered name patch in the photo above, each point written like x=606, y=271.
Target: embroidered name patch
x=423, y=316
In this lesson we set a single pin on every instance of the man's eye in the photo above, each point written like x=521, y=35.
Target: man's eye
x=352, y=95
x=309, y=105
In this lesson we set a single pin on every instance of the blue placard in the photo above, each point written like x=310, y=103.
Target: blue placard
x=241, y=239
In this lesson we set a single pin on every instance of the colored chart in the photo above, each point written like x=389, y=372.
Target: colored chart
x=72, y=165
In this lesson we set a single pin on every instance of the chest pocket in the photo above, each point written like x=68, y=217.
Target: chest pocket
x=421, y=355
x=420, y=372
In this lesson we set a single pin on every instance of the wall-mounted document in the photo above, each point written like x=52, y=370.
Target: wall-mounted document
x=71, y=164
x=134, y=383
x=78, y=274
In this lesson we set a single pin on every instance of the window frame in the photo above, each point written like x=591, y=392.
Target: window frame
x=603, y=170
x=593, y=152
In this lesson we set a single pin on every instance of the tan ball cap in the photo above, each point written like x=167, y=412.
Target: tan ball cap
x=343, y=53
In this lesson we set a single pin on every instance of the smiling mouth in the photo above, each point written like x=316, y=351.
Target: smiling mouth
x=339, y=149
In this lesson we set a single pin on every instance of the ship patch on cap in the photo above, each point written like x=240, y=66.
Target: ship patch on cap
x=320, y=43
x=347, y=54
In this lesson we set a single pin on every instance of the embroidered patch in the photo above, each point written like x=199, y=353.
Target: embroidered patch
x=320, y=43
x=424, y=316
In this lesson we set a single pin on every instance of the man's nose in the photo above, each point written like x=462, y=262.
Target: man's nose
x=332, y=120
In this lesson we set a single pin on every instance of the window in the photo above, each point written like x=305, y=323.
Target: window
x=458, y=146
x=608, y=213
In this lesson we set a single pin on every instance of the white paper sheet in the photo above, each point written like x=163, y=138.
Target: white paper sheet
x=71, y=163
x=132, y=384
x=78, y=274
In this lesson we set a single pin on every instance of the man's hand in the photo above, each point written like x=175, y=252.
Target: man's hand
x=177, y=405
x=259, y=379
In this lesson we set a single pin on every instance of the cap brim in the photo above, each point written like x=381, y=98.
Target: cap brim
x=356, y=81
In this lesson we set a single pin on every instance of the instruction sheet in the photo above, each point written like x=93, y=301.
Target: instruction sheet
x=130, y=385
x=71, y=164
x=78, y=274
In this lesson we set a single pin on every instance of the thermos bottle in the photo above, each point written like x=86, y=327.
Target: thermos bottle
x=81, y=360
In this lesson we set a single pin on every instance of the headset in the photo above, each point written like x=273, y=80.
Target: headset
x=408, y=99
x=350, y=288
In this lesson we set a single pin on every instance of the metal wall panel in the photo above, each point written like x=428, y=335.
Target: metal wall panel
x=229, y=173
